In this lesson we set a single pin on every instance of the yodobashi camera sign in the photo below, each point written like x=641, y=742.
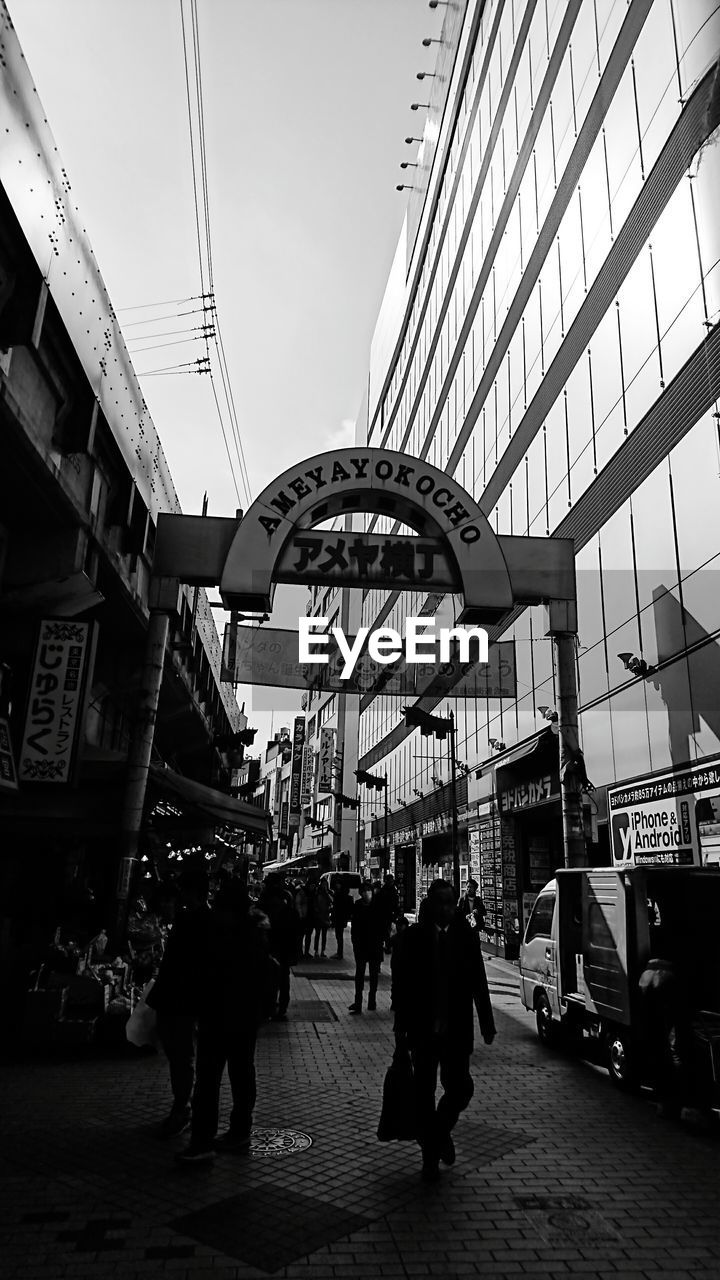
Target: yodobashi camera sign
x=656, y=820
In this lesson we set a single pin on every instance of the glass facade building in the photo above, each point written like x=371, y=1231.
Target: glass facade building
x=550, y=337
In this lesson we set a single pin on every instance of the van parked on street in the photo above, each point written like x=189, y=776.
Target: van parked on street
x=589, y=938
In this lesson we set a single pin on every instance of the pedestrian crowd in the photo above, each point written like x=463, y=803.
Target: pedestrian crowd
x=227, y=966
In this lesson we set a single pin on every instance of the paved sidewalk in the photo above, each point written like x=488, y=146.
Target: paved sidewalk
x=558, y=1174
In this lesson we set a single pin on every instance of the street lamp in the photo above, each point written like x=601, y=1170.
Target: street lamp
x=415, y=106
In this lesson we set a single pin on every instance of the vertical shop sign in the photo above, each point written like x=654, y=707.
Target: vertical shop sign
x=306, y=785
x=8, y=774
x=296, y=772
x=284, y=816
x=327, y=751
x=56, y=701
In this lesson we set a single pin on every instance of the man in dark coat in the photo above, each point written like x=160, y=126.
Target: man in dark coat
x=388, y=900
x=176, y=995
x=234, y=973
x=472, y=907
x=366, y=934
x=283, y=937
x=438, y=975
x=341, y=912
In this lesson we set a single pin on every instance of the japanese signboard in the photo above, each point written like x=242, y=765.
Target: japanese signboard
x=269, y=656
x=307, y=779
x=8, y=774
x=325, y=767
x=363, y=559
x=296, y=771
x=527, y=794
x=56, y=699
x=671, y=818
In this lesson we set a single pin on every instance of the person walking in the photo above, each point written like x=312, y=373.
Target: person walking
x=366, y=933
x=175, y=995
x=322, y=914
x=282, y=939
x=341, y=912
x=471, y=906
x=234, y=978
x=438, y=975
x=389, y=903
x=310, y=893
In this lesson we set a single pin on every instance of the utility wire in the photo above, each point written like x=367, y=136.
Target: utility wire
x=169, y=302
x=173, y=315
x=198, y=156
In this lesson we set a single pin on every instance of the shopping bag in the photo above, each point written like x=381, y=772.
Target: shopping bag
x=397, y=1117
x=141, y=1026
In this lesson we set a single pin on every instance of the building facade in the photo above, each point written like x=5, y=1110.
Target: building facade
x=549, y=336
x=83, y=478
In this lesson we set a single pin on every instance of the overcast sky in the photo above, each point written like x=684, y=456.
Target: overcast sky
x=307, y=104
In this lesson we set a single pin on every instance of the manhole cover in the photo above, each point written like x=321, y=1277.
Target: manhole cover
x=278, y=1142
x=565, y=1219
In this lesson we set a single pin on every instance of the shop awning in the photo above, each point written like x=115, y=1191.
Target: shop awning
x=208, y=802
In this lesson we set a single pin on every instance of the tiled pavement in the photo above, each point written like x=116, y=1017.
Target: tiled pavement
x=557, y=1173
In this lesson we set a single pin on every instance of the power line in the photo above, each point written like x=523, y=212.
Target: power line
x=172, y=315
x=198, y=157
x=169, y=302
x=204, y=330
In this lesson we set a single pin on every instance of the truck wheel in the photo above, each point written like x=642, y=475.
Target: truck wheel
x=622, y=1059
x=546, y=1029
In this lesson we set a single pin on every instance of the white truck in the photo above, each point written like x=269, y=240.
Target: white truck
x=589, y=937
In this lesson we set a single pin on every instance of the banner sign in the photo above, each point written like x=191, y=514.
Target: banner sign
x=325, y=769
x=660, y=820
x=296, y=771
x=269, y=656
x=306, y=785
x=326, y=558
x=56, y=699
x=8, y=774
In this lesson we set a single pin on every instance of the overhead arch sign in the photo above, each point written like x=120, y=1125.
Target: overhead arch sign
x=458, y=548
x=284, y=537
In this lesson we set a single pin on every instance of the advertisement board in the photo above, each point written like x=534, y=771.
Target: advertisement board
x=670, y=818
x=63, y=657
x=296, y=772
x=325, y=764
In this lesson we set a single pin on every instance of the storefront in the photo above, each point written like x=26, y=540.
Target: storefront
x=515, y=837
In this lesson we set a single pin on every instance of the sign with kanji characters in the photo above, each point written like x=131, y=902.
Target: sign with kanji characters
x=56, y=700
x=671, y=818
x=306, y=784
x=269, y=656
x=8, y=774
x=330, y=558
x=296, y=771
x=325, y=766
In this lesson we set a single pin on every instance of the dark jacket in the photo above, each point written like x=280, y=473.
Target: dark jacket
x=412, y=985
x=178, y=986
x=367, y=928
x=388, y=900
x=236, y=972
x=283, y=936
x=342, y=907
